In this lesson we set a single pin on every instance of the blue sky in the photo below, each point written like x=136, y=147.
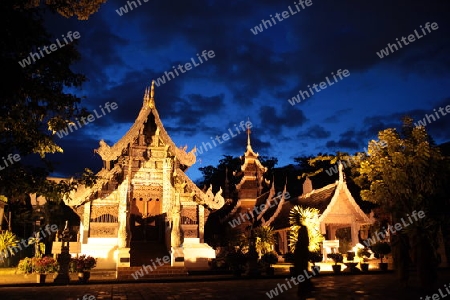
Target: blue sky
x=252, y=76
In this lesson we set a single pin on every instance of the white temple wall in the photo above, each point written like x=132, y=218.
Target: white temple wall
x=104, y=249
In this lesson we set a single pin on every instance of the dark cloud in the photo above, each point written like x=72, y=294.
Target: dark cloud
x=337, y=116
x=315, y=132
x=273, y=122
x=252, y=76
x=343, y=144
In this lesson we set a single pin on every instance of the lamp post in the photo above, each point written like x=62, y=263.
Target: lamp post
x=64, y=257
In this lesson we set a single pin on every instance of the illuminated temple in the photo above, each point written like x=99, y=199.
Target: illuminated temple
x=143, y=205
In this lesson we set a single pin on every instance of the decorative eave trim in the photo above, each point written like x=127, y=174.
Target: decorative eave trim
x=83, y=194
x=359, y=211
x=209, y=199
x=332, y=202
x=278, y=210
x=185, y=158
x=258, y=164
x=269, y=198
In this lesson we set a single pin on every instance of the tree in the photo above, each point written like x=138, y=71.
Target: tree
x=8, y=241
x=215, y=176
x=409, y=174
x=265, y=239
x=68, y=8
x=318, y=168
x=34, y=102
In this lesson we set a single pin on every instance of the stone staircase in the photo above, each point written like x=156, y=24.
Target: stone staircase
x=147, y=254
x=143, y=252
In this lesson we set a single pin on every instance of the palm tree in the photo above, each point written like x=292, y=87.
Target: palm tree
x=309, y=217
x=8, y=241
x=264, y=239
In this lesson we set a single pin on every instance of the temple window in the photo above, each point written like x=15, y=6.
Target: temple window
x=105, y=218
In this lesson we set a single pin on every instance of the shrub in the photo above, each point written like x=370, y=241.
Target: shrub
x=82, y=263
x=363, y=253
x=289, y=257
x=315, y=256
x=218, y=264
x=25, y=266
x=236, y=260
x=336, y=257
x=45, y=265
x=381, y=249
x=269, y=258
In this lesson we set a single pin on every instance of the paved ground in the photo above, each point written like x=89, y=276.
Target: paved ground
x=370, y=286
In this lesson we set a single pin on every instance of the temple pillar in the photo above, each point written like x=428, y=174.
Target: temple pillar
x=355, y=232
x=176, y=215
x=201, y=223
x=124, y=237
x=167, y=185
x=86, y=223
x=177, y=251
x=332, y=229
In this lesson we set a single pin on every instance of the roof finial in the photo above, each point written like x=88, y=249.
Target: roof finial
x=248, y=135
x=151, y=97
x=341, y=171
x=152, y=93
x=146, y=96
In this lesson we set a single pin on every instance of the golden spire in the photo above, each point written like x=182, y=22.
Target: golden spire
x=249, y=146
x=146, y=96
x=150, y=95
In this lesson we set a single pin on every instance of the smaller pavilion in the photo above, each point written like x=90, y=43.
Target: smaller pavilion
x=337, y=207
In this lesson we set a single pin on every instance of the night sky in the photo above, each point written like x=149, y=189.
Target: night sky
x=252, y=77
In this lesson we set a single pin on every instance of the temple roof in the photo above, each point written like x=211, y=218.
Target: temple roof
x=333, y=200
x=84, y=194
x=319, y=199
x=110, y=153
x=252, y=168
